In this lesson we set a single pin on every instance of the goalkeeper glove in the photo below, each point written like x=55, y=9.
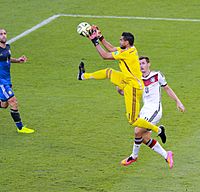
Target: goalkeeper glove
x=93, y=36
x=99, y=34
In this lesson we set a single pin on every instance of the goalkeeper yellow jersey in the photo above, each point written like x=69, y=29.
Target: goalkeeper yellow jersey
x=129, y=63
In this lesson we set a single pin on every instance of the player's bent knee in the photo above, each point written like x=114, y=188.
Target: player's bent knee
x=139, y=131
x=13, y=103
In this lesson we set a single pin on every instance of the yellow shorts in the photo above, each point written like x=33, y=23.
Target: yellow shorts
x=132, y=101
x=132, y=93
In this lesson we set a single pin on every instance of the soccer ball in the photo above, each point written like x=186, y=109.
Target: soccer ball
x=84, y=29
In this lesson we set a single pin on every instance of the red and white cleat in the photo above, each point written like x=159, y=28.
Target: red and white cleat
x=128, y=161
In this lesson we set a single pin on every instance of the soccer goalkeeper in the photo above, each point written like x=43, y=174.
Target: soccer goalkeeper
x=129, y=79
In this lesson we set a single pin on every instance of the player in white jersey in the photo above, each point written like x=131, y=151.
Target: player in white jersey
x=152, y=108
x=152, y=111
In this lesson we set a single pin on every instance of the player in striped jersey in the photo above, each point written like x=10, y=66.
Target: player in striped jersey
x=152, y=111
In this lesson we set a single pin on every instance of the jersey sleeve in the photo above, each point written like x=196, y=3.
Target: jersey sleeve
x=119, y=54
x=161, y=79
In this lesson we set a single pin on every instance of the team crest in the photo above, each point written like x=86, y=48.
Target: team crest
x=116, y=52
x=152, y=79
x=10, y=92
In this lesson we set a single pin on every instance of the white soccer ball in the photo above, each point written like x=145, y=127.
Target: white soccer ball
x=83, y=29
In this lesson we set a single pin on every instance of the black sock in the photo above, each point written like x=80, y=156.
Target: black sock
x=16, y=117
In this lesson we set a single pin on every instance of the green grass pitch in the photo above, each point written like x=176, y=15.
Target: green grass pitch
x=81, y=130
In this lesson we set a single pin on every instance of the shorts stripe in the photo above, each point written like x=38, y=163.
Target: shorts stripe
x=154, y=114
x=4, y=91
x=133, y=105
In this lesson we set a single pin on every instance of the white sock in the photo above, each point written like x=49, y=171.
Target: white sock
x=136, y=147
x=159, y=149
x=159, y=130
x=82, y=76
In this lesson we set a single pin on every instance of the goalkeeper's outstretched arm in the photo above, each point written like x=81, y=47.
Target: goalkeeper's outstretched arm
x=104, y=54
x=105, y=43
x=108, y=46
x=93, y=36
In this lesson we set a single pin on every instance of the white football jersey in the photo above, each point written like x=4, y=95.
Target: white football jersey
x=152, y=92
x=152, y=108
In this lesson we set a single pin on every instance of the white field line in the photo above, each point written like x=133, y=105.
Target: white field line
x=46, y=21
x=130, y=17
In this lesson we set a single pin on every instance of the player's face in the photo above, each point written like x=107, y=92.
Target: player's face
x=123, y=43
x=3, y=36
x=144, y=66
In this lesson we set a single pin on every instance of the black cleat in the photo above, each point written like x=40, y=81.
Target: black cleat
x=162, y=134
x=81, y=70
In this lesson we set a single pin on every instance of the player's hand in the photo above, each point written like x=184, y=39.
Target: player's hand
x=180, y=107
x=22, y=59
x=99, y=34
x=93, y=32
x=93, y=36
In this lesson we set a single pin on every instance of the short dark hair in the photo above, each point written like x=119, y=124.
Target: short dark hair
x=145, y=57
x=128, y=37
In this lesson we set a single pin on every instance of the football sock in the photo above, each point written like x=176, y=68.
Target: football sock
x=101, y=74
x=115, y=77
x=155, y=145
x=145, y=124
x=136, y=147
x=16, y=117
